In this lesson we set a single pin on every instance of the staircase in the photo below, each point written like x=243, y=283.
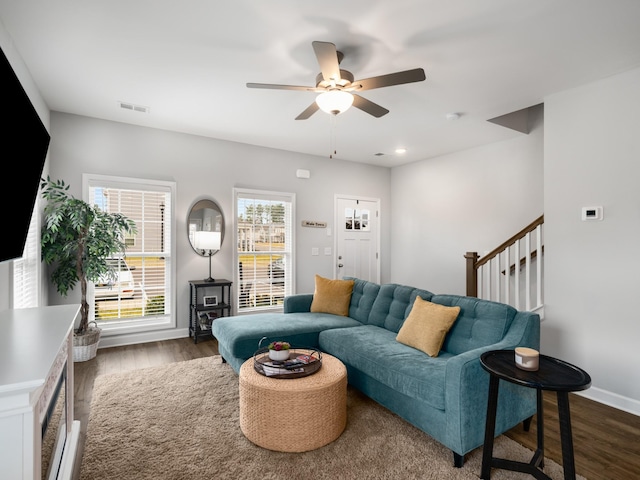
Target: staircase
x=511, y=273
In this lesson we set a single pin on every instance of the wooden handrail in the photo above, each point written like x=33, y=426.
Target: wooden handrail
x=529, y=228
x=474, y=261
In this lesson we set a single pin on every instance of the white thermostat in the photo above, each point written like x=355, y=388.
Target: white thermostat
x=592, y=213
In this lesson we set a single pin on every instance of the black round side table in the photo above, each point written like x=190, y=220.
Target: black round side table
x=552, y=374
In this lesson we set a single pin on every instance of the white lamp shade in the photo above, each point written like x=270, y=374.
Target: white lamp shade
x=334, y=101
x=207, y=240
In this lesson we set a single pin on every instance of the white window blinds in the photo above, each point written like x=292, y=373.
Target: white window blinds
x=264, y=239
x=141, y=290
x=25, y=269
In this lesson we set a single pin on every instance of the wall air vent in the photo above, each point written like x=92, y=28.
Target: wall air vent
x=135, y=108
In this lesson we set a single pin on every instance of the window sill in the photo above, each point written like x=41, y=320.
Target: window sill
x=128, y=326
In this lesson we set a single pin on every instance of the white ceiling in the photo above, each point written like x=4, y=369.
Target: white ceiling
x=189, y=62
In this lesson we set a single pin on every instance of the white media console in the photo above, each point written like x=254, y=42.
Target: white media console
x=38, y=435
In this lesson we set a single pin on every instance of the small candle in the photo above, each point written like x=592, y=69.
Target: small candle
x=527, y=358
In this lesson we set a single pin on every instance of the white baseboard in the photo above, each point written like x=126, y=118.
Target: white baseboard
x=69, y=456
x=612, y=399
x=142, y=337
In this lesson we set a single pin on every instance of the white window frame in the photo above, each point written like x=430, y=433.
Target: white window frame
x=139, y=325
x=290, y=253
x=26, y=270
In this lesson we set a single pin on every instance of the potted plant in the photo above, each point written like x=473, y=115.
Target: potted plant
x=279, y=350
x=77, y=239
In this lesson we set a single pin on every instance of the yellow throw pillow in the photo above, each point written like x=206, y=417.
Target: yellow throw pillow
x=427, y=325
x=332, y=296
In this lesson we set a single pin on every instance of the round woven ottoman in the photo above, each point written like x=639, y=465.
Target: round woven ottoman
x=294, y=414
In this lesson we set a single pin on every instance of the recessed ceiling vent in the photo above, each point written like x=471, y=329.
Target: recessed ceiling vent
x=135, y=108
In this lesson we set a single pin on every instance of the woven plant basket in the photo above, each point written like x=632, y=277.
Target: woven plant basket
x=85, y=346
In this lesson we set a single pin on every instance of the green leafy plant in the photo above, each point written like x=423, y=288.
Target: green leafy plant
x=77, y=239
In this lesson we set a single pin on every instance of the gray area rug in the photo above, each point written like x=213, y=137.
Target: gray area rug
x=181, y=421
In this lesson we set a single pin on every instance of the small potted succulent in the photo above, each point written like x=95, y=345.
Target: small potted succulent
x=279, y=351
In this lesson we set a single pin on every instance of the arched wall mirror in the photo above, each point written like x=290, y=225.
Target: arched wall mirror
x=205, y=216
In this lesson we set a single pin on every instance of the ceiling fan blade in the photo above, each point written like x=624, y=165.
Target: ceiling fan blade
x=368, y=106
x=283, y=87
x=327, y=56
x=310, y=110
x=398, y=78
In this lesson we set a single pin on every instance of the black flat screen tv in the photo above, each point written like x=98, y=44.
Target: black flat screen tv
x=25, y=143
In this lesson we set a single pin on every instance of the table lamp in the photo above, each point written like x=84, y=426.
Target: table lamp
x=207, y=241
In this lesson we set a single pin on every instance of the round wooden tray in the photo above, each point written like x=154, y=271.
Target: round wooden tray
x=301, y=363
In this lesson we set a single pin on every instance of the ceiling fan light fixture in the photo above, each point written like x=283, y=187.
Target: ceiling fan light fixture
x=334, y=101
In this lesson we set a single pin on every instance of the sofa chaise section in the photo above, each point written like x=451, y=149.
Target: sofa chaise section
x=239, y=336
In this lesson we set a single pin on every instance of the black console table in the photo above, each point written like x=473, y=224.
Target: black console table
x=552, y=374
x=208, y=301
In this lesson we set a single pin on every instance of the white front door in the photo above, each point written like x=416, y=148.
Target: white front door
x=357, y=238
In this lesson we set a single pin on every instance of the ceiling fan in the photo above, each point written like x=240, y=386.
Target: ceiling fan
x=337, y=87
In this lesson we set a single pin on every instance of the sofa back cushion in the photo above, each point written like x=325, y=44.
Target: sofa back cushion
x=362, y=298
x=480, y=322
x=393, y=305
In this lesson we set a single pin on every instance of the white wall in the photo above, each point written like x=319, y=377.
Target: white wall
x=22, y=72
x=592, y=158
x=468, y=201
x=204, y=167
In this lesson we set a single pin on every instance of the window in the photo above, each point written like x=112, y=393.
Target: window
x=26, y=269
x=264, y=241
x=140, y=296
x=357, y=219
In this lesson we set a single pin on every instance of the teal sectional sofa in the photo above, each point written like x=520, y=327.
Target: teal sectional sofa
x=445, y=396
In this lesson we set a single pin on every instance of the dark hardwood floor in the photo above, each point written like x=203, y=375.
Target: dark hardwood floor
x=606, y=440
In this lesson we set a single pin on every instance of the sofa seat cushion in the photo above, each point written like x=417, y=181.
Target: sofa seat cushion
x=241, y=334
x=375, y=352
